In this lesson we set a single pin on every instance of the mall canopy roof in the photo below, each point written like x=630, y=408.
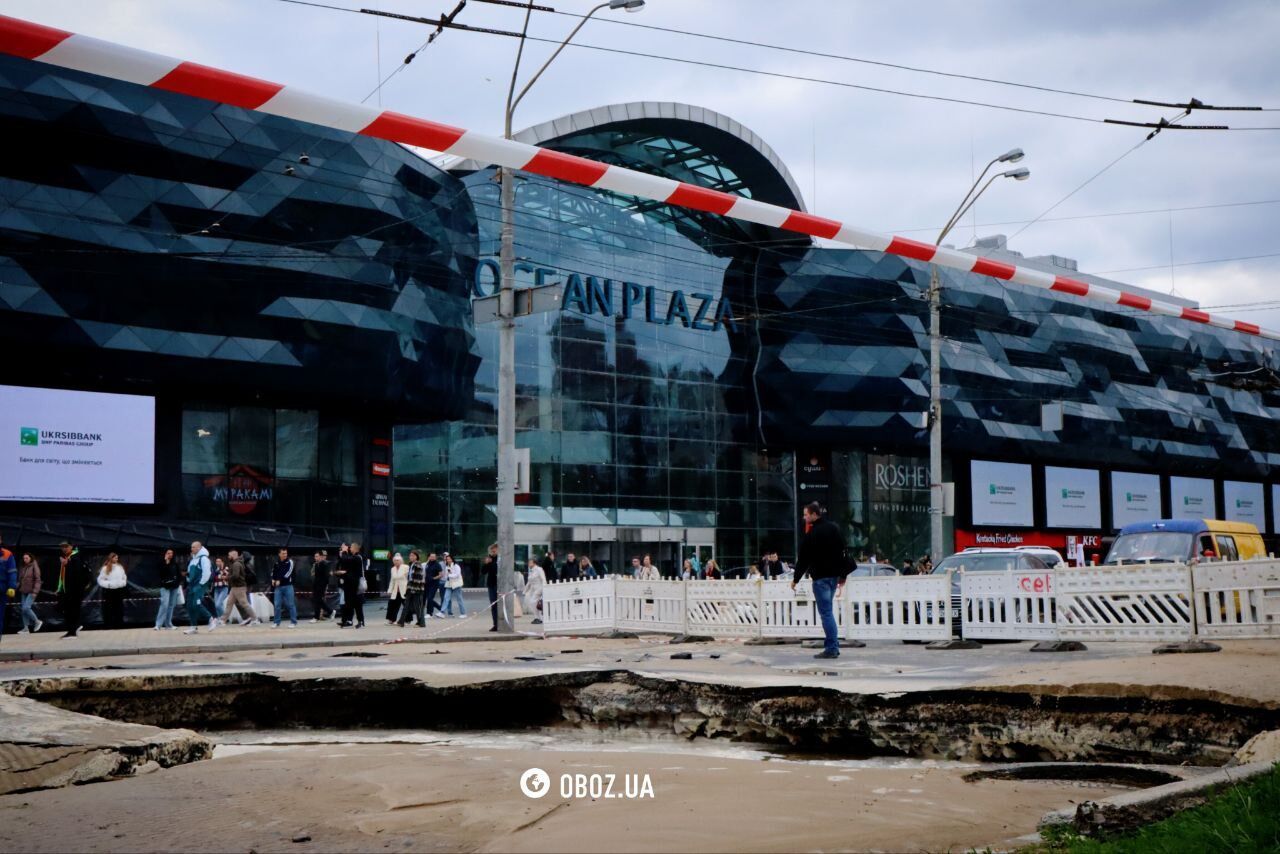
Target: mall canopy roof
x=684, y=141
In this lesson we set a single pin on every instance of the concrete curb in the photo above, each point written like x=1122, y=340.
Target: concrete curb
x=62, y=655
x=1132, y=810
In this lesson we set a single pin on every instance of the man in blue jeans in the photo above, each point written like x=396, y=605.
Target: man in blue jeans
x=822, y=558
x=282, y=581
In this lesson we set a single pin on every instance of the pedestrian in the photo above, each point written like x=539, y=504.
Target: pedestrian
x=416, y=586
x=926, y=565
x=319, y=585
x=537, y=579
x=570, y=570
x=435, y=584
x=686, y=571
x=712, y=571
x=29, y=583
x=586, y=570
x=753, y=574
x=199, y=574
x=822, y=557
x=397, y=590
x=343, y=549
x=548, y=564
x=170, y=590
x=351, y=575
x=282, y=590
x=453, y=587
x=649, y=572
x=8, y=581
x=634, y=569
x=73, y=578
x=490, y=572
x=908, y=568
x=220, y=588
x=238, y=591
x=112, y=581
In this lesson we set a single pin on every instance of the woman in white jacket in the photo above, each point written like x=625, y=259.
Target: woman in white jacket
x=533, y=591
x=113, y=582
x=398, y=589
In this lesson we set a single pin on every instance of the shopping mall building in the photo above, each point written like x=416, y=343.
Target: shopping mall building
x=294, y=303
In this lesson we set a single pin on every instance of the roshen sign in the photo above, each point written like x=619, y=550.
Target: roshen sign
x=595, y=295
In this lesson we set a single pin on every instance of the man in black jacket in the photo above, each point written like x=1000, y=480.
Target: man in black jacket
x=349, y=572
x=548, y=564
x=822, y=558
x=435, y=583
x=569, y=572
x=73, y=577
x=319, y=586
x=490, y=572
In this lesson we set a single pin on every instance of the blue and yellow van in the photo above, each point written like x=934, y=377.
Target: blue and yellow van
x=1181, y=540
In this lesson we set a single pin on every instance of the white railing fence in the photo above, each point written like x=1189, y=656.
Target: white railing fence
x=1008, y=605
x=1237, y=600
x=907, y=607
x=1167, y=602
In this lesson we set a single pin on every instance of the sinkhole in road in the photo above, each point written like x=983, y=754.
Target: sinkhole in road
x=1005, y=725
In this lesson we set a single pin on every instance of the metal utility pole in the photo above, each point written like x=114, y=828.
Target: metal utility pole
x=507, y=325
x=936, y=486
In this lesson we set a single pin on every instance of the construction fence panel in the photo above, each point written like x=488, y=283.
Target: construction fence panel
x=1011, y=605
x=723, y=609
x=578, y=605
x=1150, y=602
x=788, y=613
x=654, y=606
x=909, y=607
x=1238, y=599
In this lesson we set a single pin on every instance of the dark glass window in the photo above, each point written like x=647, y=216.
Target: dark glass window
x=297, y=443
x=204, y=441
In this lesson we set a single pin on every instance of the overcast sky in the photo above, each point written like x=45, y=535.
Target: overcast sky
x=886, y=162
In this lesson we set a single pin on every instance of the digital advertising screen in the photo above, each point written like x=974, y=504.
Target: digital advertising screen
x=1134, y=498
x=76, y=446
x=1002, y=494
x=1072, y=498
x=1244, y=502
x=1192, y=498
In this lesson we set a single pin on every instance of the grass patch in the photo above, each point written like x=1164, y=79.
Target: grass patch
x=1238, y=819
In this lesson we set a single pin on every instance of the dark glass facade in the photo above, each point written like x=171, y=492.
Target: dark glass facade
x=290, y=294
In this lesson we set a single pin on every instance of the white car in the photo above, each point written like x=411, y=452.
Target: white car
x=1049, y=555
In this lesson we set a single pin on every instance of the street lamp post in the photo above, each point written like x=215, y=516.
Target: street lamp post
x=935, y=350
x=507, y=326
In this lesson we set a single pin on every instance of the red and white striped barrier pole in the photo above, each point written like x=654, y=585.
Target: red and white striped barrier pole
x=84, y=53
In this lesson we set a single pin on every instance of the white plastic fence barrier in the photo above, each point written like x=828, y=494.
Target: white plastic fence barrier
x=1238, y=599
x=787, y=613
x=1125, y=603
x=1015, y=605
x=572, y=605
x=655, y=606
x=723, y=609
x=909, y=607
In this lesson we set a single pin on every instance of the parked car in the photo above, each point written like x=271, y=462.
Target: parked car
x=1181, y=540
x=867, y=570
x=1049, y=555
x=988, y=560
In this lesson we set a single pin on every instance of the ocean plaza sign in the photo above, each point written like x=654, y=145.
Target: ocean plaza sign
x=596, y=295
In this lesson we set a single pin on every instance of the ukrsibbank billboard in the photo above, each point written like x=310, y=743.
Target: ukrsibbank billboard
x=76, y=446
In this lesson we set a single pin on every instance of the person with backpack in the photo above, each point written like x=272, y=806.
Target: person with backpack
x=238, y=592
x=822, y=556
x=199, y=574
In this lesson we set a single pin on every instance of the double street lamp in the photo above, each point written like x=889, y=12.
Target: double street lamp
x=935, y=348
x=506, y=481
